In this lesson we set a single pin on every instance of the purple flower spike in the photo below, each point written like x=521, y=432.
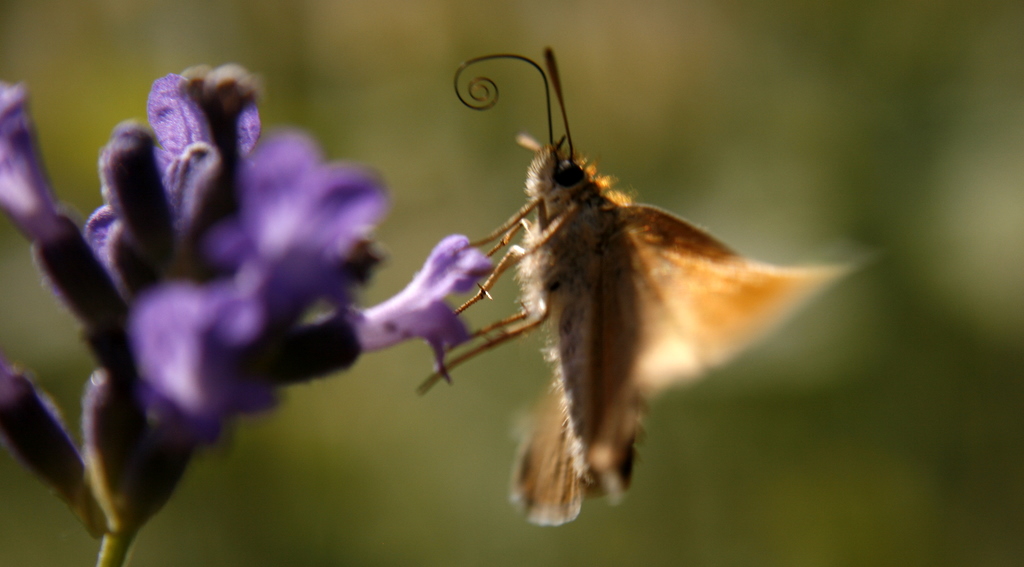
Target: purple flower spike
x=419, y=310
x=191, y=342
x=298, y=221
x=194, y=284
x=24, y=192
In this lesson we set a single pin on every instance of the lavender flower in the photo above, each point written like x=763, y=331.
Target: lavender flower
x=193, y=282
x=190, y=342
x=419, y=310
x=298, y=221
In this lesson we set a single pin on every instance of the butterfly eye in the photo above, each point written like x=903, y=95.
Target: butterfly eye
x=568, y=174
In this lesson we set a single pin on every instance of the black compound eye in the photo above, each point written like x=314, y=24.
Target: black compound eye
x=568, y=174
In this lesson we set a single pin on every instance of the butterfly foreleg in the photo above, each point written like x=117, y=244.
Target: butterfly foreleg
x=528, y=322
x=552, y=226
x=523, y=223
x=515, y=254
x=499, y=324
x=510, y=224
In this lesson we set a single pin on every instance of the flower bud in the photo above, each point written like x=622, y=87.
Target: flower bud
x=25, y=195
x=132, y=185
x=80, y=279
x=134, y=465
x=313, y=350
x=223, y=94
x=113, y=425
x=34, y=434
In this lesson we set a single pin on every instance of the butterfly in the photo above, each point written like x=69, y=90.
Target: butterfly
x=636, y=300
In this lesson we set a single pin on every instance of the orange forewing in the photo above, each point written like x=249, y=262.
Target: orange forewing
x=699, y=303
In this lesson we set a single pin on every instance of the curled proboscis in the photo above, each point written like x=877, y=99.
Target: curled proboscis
x=483, y=92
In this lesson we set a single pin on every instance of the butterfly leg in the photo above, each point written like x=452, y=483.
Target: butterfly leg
x=551, y=226
x=523, y=223
x=507, y=225
x=516, y=253
x=508, y=332
x=499, y=324
x=507, y=261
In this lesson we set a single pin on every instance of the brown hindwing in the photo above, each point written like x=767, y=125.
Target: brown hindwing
x=548, y=482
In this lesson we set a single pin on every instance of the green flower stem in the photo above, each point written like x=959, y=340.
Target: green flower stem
x=115, y=548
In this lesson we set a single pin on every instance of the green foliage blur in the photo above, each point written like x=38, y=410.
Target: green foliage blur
x=884, y=425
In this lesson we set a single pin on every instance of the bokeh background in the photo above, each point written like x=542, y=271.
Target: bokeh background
x=883, y=426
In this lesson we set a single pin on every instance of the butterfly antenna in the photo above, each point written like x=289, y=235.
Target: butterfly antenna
x=549, y=59
x=483, y=92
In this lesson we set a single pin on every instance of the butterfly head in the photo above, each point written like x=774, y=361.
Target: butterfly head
x=568, y=173
x=554, y=176
x=560, y=179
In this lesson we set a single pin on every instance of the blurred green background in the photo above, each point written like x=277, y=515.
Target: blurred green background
x=883, y=426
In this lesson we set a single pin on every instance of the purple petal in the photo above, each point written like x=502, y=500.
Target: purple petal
x=298, y=221
x=98, y=230
x=176, y=118
x=25, y=194
x=419, y=310
x=179, y=122
x=290, y=201
x=187, y=178
x=276, y=191
x=102, y=231
x=248, y=129
x=452, y=267
x=191, y=343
